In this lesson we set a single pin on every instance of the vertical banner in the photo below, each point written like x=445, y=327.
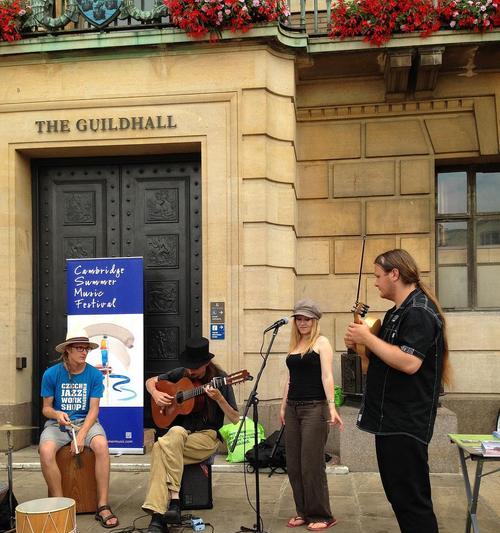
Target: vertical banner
x=105, y=298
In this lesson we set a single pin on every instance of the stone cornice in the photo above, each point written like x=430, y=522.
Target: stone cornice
x=454, y=105
x=150, y=37
x=282, y=36
x=442, y=37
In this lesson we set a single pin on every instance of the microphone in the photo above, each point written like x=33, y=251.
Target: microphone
x=277, y=324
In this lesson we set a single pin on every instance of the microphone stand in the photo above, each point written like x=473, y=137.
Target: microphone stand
x=253, y=401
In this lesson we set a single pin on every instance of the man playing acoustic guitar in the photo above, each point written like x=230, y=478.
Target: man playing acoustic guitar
x=193, y=438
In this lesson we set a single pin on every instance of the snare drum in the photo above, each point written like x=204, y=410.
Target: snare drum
x=46, y=515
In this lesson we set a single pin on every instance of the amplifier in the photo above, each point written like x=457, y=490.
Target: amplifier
x=196, y=487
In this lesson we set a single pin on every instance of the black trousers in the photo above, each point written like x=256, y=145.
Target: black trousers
x=404, y=470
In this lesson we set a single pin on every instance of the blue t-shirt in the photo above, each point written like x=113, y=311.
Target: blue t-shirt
x=72, y=393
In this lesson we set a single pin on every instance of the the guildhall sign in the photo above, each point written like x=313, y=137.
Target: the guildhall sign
x=159, y=122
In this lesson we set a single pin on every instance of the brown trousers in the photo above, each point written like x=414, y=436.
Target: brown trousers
x=170, y=453
x=305, y=439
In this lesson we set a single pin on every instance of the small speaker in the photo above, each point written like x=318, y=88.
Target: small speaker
x=196, y=487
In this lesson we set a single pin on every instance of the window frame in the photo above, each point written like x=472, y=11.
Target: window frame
x=471, y=217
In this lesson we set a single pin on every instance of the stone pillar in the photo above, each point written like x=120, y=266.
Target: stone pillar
x=268, y=208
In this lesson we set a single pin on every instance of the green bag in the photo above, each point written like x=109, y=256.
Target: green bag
x=245, y=439
x=339, y=396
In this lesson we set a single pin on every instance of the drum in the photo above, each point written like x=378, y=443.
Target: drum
x=46, y=515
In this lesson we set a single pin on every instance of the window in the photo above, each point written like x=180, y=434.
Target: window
x=468, y=237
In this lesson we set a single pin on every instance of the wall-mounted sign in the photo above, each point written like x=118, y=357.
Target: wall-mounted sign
x=158, y=122
x=217, y=331
x=217, y=320
x=217, y=313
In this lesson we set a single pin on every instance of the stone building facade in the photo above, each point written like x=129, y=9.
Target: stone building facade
x=304, y=145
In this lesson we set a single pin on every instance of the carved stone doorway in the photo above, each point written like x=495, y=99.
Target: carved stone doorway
x=111, y=208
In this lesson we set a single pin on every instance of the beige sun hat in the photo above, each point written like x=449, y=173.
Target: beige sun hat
x=76, y=337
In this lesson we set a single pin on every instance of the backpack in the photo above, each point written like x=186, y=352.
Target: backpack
x=271, y=454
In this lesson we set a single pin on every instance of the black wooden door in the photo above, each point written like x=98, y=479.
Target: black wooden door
x=111, y=208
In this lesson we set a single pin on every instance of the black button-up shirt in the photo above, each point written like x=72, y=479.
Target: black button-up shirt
x=396, y=403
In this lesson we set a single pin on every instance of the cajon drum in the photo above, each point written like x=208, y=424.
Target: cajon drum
x=78, y=478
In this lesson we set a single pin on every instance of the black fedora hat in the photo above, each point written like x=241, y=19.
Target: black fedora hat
x=196, y=353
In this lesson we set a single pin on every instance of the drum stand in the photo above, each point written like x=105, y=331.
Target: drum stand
x=9, y=428
x=10, y=490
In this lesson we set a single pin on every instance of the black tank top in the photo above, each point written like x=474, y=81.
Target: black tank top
x=305, y=377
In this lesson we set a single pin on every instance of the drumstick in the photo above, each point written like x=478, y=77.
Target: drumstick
x=74, y=439
x=77, y=451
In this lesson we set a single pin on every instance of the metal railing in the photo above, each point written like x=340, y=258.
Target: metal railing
x=314, y=21
x=65, y=16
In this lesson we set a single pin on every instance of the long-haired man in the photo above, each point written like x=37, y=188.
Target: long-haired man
x=407, y=369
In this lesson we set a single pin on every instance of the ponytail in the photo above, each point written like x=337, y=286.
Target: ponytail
x=446, y=372
x=409, y=273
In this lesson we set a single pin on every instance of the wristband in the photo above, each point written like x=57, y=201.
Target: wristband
x=331, y=401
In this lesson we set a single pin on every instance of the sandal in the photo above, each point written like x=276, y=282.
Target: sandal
x=296, y=522
x=105, y=519
x=327, y=524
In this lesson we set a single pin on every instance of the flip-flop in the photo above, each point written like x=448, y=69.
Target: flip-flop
x=327, y=524
x=296, y=519
x=105, y=519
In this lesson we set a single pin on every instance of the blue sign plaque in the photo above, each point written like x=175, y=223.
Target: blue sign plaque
x=217, y=331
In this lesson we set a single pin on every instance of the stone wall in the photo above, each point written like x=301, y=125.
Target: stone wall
x=234, y=105
x=293, y=174
x=368, y=168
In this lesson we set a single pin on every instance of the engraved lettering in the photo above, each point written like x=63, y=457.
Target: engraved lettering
x=137, y=123
x=124, y=123
x=52, y=126
x=81, y=124
x=94, y=124
x=106, y=124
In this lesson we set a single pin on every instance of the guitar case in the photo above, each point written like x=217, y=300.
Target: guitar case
x=353, y=380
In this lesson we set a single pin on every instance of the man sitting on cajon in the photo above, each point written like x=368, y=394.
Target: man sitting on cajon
x=71, y=391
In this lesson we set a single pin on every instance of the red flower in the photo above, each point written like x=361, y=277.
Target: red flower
x=377, y=20
x=477, y=15
x=12, y=15
x=201, y=17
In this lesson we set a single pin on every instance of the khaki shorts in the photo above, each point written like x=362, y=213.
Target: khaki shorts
x=51, y=432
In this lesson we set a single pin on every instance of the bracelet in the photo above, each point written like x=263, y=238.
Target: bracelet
x=331, y=401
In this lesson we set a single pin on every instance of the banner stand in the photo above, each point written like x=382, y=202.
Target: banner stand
x=105, y=298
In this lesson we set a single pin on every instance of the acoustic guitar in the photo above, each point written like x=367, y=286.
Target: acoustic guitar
x=360, y=310
x=185, y=394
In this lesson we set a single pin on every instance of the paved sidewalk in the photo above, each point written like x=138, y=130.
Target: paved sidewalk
x=357, y=499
